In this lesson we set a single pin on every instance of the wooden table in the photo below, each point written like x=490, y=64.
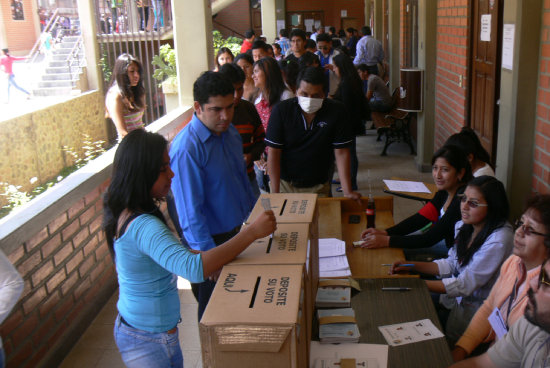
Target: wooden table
x=374, y=307
x=424, y=197
x=334, y=216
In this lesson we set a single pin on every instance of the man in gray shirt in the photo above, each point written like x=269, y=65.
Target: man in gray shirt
x=527, y=344
x=369, y=51
x=377, y=93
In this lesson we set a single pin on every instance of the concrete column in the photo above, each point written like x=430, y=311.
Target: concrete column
x=518, y=98
x=427, y=31
x=394, y=23
x=281, y=12
x=367, y=14
x=269, y=20
x=86, y=13
x=3, y=38
x=378, y=31
x=192, y=42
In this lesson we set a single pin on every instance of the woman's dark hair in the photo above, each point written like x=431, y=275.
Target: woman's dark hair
x=275, y=45
x=468, y=140
x=136, y=167
x=247, y=57
x=308, y=59
x=498, y=210
x=233, y=73
x=223, y=50
x=540, y=203
x=290, y=69
x=348, y=73
x=274, y=84
x=134, y=95
x=457, y=158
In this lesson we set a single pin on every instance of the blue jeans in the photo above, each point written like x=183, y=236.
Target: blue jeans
x=140, y=348
x=2, y=358
x=11, y=82
x=158, y=10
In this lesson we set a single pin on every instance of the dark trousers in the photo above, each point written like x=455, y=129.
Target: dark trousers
x=203, y=290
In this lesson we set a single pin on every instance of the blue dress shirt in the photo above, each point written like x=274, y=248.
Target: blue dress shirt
x=210, y=185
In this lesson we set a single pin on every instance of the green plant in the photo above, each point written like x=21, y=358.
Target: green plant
x=105, y=68
x=165, y=64
x=231, y=42
x=15, y=197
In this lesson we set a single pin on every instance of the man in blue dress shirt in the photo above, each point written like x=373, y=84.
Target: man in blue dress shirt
x=210, y=185
x=369, y=51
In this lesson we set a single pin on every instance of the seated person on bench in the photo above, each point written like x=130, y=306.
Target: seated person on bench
x=378, y=94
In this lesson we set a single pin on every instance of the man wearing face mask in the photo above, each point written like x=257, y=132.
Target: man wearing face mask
x=302, y=134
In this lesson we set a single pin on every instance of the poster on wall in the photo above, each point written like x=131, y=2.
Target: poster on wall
x=309, y=25
x=485, y=34
x=280, y=25
x=508, y=32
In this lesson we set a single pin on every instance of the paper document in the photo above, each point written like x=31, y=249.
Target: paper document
x=338, y=273
x=266, y=204
x=365, y=355
x=331, y=247
x=406, y=186
x=409, y=332
x=333, y=263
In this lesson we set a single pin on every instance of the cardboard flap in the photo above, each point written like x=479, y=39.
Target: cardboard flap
x=334, y=282
x=251, y=338
x=347, y=363
x=336, y=319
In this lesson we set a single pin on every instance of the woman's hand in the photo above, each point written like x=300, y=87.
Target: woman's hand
x=396, y=267
x=264, y=225
x=373, y=241
x=372, y=231
x=459, y=354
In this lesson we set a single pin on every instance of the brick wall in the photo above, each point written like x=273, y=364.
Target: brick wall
x=67, y=271
x=236, y=16
x=541, y=164
x=20, y=34
x=452, y=46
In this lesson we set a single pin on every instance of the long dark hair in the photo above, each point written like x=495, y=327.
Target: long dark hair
x=134, y=95
x=457, y=158
x=498, y=210
x=274, y=83
x=468, y=140
x=136, y=167
x=540, y=204
x=348, y=73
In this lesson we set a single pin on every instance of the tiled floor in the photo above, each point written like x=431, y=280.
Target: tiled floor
x=96, y=348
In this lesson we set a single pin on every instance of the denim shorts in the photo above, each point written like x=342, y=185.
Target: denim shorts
x=140, y=348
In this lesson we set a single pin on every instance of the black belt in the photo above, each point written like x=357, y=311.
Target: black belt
x=223, y=237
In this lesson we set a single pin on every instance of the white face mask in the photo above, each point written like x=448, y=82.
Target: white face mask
x=310, y=105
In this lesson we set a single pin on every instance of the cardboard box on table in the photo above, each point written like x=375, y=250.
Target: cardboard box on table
x=297, y=208
x=287, y=245
x=254, y=319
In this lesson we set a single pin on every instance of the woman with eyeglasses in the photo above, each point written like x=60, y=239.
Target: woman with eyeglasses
x=509, y=294
x=483, y=240
x=450, y=171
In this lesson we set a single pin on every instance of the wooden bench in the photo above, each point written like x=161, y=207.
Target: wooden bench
x=394, y=126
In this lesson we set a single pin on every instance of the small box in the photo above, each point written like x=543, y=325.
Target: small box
x=289, y=208
x=254, y=319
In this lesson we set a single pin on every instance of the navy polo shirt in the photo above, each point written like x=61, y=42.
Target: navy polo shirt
x=308, y=152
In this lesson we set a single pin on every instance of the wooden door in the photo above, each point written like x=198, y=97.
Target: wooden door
x=486, y=41
x=256, y=16
x=346, y=23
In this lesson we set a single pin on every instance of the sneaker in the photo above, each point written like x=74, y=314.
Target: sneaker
x=339, y=189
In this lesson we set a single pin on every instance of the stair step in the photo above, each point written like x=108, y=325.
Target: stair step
x=56, y=76
x=55, y=91
x=62, y=69
x=59, y=83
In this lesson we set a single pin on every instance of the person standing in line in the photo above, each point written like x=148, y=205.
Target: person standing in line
x=143, y=10
x=249, y=37
x=284, y=42
x=6, y=64
x=125, y=100
x=326, y=54
x=369, y=51
x=297, y=44
x=211, y=188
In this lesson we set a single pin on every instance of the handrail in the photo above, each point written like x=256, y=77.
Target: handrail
x=74, y=51
x=53, y=19
x=231, y=29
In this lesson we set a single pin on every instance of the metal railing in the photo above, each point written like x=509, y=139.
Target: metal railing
x=74, y=55
x=54, y=19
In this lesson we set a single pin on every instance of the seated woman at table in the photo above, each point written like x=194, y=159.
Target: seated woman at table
x=451, y=171
x=484, y=239
x=478, y=157
x=509, y=294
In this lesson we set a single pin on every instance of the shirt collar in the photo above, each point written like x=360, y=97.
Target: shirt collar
x=202, y=131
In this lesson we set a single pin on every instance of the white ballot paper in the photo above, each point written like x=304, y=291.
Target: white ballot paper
x=366, y=355
x=331, y=247
x=406, y=186
x=333, y=263
x=409, y=332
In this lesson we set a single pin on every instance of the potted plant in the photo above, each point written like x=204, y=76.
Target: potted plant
x=166, y=74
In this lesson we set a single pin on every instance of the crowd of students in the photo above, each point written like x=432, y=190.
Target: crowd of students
x=479, y=262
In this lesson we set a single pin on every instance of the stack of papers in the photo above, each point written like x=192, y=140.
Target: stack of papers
x=406, y=186
x=337, y=326
x=333, y=261
x=333, y=296
x=365, y=355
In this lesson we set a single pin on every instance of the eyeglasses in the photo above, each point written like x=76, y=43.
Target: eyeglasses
x=323, y=47
x=471, y=202
x=527, y=230
x=543, y=277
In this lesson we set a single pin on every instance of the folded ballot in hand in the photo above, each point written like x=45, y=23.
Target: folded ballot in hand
x=337, y=326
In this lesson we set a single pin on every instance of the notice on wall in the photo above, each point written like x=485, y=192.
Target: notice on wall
x=280, y=25
x=317, y=24
x=508, y=32
x=485, y=34
x=309, y=25
x=343, y=13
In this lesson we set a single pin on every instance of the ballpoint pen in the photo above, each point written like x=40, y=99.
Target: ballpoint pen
x=396, y=289
x=403, y=264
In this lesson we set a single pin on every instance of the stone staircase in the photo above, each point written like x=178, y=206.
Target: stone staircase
x=59, y=78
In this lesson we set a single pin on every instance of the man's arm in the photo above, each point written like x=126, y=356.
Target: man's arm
x=343, y=164
x=481, y=361
x=274, y=169
x=359, y=55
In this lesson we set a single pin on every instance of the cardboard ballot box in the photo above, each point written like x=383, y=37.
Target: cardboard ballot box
x=254, y=319
x=287, y=245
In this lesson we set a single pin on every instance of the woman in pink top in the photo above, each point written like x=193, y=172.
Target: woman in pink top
x=125, y=100
x=509, y=294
